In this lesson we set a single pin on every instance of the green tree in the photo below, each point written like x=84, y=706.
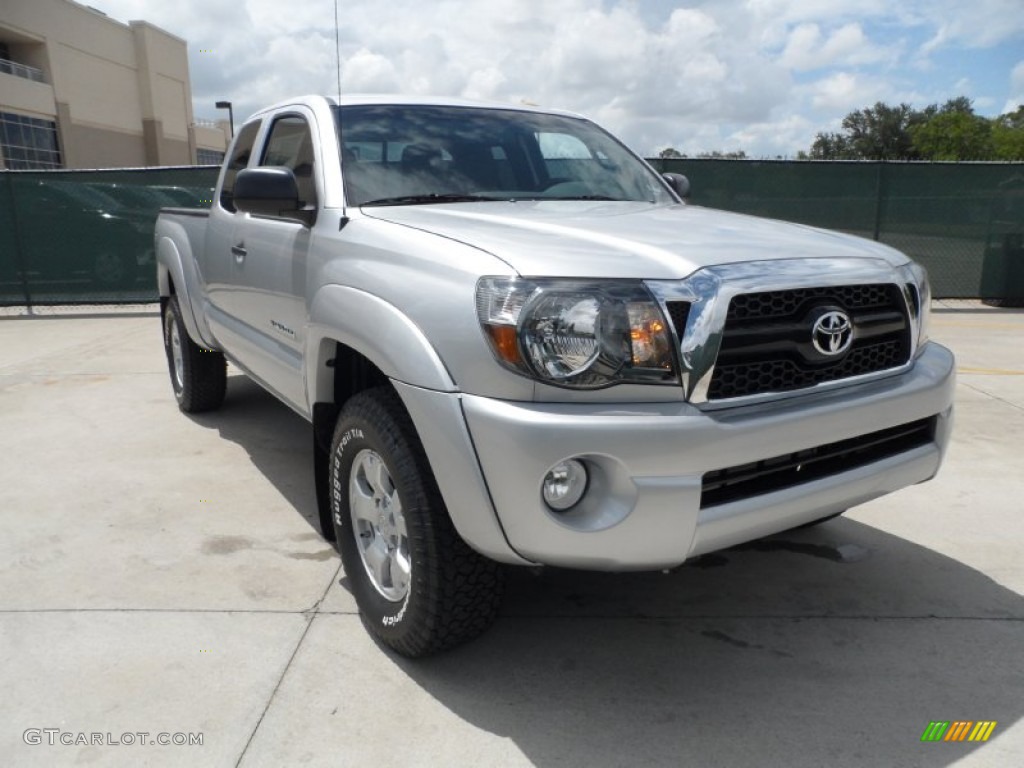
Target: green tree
x=717, y=154
x=1008, y=135
x=959, y=105
x=831, y=146
x=881, y=132
x=670, y=152
x=954, y=136
x=953, y=132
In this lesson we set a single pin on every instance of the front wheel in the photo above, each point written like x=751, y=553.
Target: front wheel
x=419, y=587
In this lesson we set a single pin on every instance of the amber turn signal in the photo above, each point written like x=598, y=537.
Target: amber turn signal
x=503, y=337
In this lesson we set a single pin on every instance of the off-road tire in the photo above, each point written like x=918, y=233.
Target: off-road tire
x=321, y=466
x=453, y=593
x=199, y=377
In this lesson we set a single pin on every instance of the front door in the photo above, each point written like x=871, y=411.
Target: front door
x=269, y=259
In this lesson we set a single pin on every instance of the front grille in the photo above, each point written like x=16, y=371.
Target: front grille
x=752, y=306
x=781, y=375
x=767, y=345
x=722, y=486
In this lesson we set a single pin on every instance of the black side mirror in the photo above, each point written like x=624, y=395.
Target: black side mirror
x=269, y=191
x=679, y=183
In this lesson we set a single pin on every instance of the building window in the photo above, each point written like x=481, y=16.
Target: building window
x=209, y=157
x=28, y=143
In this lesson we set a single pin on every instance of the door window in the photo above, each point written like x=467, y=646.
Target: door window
x=290, y=145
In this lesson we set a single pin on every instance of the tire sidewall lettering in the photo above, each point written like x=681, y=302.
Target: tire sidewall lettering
x=349, y=436
x=355, y=438
x=394, y=621
x=338, y=463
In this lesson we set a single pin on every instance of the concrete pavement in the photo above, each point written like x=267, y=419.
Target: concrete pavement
x=162, y=574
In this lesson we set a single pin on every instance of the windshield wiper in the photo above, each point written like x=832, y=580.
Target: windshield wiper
x=433, y=197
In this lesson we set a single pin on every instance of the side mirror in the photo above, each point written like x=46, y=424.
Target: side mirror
x=269, y=191
x=679, y=183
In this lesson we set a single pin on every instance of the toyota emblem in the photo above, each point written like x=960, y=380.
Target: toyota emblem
x=832, y=333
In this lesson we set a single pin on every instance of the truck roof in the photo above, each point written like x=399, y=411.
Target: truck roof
x=358, y=99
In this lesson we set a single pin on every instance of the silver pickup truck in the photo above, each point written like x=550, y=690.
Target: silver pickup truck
x=517, y=344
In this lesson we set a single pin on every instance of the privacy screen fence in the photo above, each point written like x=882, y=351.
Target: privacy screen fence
x=963, y=221
x=87, y=236
x=77, y=237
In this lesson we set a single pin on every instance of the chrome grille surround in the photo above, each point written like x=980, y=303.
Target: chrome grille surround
x=710, y=292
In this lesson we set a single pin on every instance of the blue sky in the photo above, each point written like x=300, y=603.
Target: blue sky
x=763, y=76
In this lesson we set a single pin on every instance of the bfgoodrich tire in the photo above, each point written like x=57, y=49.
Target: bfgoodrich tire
x=419, y=587
x=198, y=375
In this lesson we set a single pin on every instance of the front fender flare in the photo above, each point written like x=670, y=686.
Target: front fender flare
x=376, y=329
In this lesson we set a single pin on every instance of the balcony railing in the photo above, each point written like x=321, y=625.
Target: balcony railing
x=21, y=70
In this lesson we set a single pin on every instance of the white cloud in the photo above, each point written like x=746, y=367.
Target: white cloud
x=791, y=131
x=1016, y=89
x=842, y=91
x=369, y=72
x=485, y=84
x=979, y=24
x=776, y=18
x=807, y=48
x=712, y=74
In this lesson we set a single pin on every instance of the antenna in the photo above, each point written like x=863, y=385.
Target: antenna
x=337, y=49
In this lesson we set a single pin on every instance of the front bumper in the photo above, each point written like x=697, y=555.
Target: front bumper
x=643, y=508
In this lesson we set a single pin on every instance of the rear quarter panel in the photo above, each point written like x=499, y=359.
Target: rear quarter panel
x=178, y=238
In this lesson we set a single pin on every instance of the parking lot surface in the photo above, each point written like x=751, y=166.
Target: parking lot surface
x=162, y=575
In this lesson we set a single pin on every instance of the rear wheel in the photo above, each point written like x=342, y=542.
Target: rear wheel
x=419, y=587
x=198, y=375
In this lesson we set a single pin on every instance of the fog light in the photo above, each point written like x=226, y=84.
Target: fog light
x=564, y=485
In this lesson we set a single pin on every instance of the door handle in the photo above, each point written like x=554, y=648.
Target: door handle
x=239, y=252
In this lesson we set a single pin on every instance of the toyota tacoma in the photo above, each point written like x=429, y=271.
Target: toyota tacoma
x=518, y=344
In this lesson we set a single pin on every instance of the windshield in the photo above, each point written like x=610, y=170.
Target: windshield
x=411, y=154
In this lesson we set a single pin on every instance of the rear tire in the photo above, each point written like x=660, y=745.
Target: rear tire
x=198, y=375
x=419, y=587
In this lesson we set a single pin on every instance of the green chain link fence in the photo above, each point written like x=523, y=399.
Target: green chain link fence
x=963, y=221
x=87, y=236
x=79, y=237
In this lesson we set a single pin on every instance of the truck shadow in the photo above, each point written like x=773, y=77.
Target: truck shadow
x=835, y=645
x=277, y=440
x=780, y=652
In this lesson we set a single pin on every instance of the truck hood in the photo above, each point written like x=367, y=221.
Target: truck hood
x=624, y=239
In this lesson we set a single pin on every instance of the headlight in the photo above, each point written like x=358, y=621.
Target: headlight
x=920, y=295
x=580, y=334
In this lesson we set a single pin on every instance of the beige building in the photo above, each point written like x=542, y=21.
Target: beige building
x=81, y=90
